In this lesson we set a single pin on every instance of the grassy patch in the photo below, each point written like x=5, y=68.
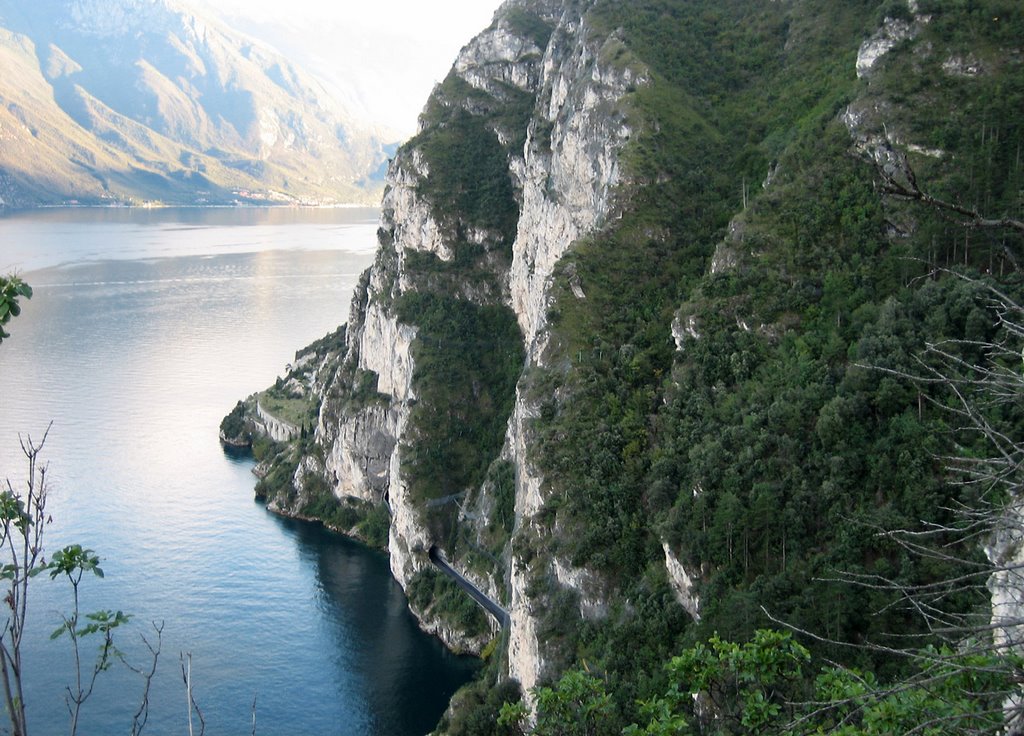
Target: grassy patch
x=296, y=411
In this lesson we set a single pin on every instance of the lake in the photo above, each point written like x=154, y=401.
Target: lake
x=145, y=328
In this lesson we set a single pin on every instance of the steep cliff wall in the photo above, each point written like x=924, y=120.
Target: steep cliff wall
x=538, y=98
x=610, y=357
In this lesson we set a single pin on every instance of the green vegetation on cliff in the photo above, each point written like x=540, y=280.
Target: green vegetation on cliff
x=725, y=369
x=467, y=360
x=770, y=449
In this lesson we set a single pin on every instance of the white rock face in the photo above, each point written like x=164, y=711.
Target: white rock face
x=361, y=445
x=684, y=329
x=725, y=258
x=366, y=454
x=682, y=583
x=408, y=541
x=525, y=662
x=892, y=32
x=384, y=349
x=566, y=187
x=359, y=460
x=1006, y=587
x=570, y=171
x=528, y=480
x=417, y=229
x=496, y=57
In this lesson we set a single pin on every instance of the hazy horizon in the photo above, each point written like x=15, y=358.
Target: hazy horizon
x=381, y=60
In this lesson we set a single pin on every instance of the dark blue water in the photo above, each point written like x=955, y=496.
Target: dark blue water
x=135, y=352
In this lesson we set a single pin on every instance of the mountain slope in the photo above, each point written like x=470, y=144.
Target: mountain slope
x=622, y=356
x=145, y=100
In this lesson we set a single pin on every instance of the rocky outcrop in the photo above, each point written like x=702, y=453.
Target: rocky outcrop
x=563, y=164
x=570, y=171
x=682, y=583
x=892, y=32
x=415, y=228
x=525, y=660
x=571, y=165
x=359, y=458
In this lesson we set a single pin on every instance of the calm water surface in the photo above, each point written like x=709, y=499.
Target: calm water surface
x=145, y=328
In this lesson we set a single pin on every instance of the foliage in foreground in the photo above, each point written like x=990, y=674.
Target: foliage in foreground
x=11, y=289
x=763, y=686
x=23, y=520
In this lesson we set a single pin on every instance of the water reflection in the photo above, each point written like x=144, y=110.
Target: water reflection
x=41, y=238
x=378, y=638
x=136, y=361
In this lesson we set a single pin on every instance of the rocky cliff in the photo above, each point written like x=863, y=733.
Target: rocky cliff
x=611, y=355
x=534, y=88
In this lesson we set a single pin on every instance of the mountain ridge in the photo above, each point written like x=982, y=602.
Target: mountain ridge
x=142, y=100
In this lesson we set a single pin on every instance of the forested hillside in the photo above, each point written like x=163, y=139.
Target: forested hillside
x=727, y=231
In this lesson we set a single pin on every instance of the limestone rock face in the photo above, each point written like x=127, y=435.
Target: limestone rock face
x=891, y=33
x=570, y=170
x=360, y=456
x=682, y=583
x=416, y=228
x=501, y=211
x=571, y=165
x=562, y=160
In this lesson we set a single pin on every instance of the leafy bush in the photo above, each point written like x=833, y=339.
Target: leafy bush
x=475, y=708
x=529, y=25
x=438, y=595
x=235, y=426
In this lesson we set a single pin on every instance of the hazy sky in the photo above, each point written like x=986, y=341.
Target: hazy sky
x=382, y=55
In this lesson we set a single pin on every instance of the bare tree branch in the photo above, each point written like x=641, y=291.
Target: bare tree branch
x=907, y=188
x=141, y=716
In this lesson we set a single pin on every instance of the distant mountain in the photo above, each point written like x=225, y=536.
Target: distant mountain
x=146, y=100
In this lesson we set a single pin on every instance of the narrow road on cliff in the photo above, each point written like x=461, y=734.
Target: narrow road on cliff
x=499, y=613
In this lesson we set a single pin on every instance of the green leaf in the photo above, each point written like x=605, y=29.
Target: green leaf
x=72, y=559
